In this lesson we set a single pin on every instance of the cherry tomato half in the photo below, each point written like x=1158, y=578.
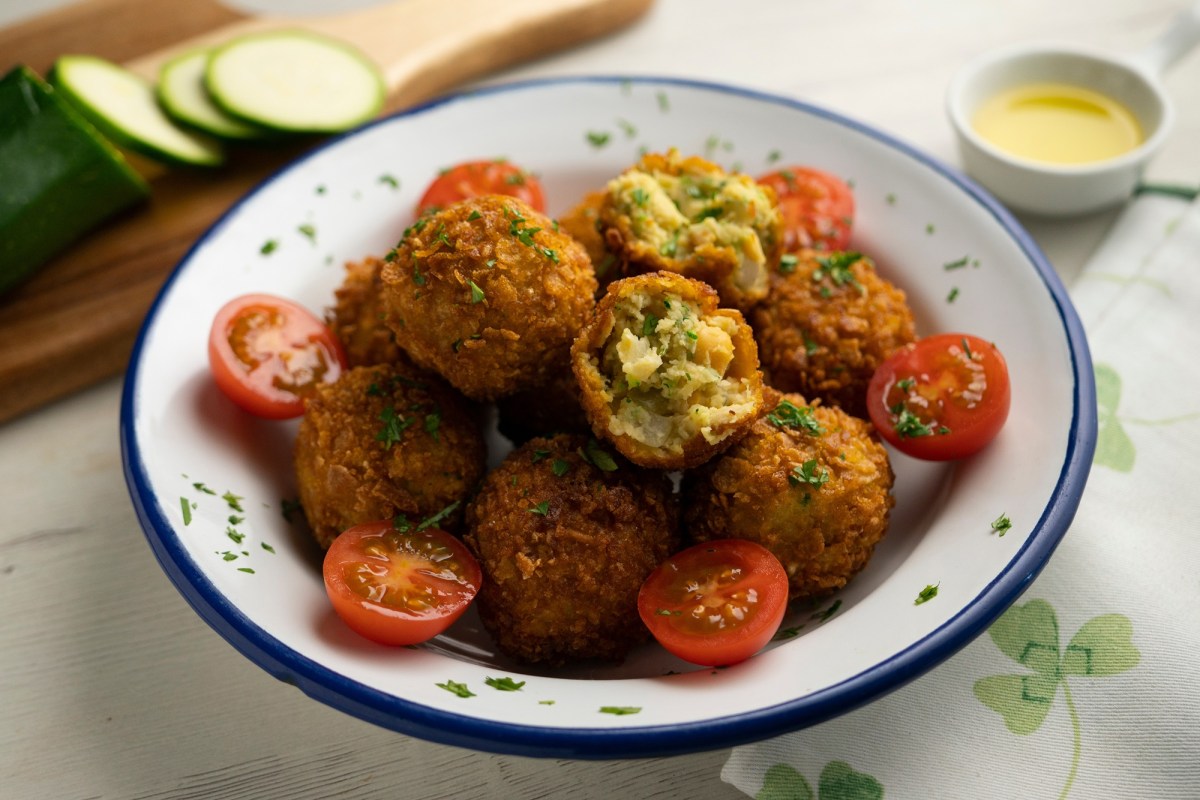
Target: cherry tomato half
x=399, y=587
x=267, y=354
x=474, y=178
x=940, y=398
x=817, y=208
x=715, y=603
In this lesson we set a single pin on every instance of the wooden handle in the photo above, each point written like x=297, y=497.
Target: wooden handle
x=427, y=46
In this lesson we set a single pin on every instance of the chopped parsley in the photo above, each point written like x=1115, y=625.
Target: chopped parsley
x=200, y=487
x=807, y=474
x=418, y=278
x=545, y=702
x=538, y=455
x=1001, y=524
x=288, y=507
x=234, y=502
x=950, y=298
x=393, y=428
x=712, y=212
x=390, y=180
x=247, y=570
x=620, y=710
x=649, y=325
x=927, y=594
x=474, y=215
x=269, y=246
x=504, y=684
x=908, y=425
x=891, y=199
x=837, y=267
x=639, y=196
x=550, y=253
x=959, y=264
x=774, y=156
x=237, y=537
x=597, y=457
x=187, y=510
x=454, y=687
x=308, y=231
x=929, y=229
x=267, y=547
x=598, y=139
x=560, y=467
x=824, y=616
x=433, y=421
x=967, y=349
x=439, y=517
x=787, y=633
x=541, y=509
x=477, y=294
x=666, y=612
x=515, y=179
x=787, y=263
x=789, y=415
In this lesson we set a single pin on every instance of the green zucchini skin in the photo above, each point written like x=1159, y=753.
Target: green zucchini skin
x=59, y=177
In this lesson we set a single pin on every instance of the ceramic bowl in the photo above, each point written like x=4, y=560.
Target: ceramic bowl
x=963, y=260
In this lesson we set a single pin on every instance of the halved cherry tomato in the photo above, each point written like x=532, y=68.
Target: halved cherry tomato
x=817, y=208
x=715, y=603
x=941, y=398
x=399, y=587
x=474, y=178
x=267, y=354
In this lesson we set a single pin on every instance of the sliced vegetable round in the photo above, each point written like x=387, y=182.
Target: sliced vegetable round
x=716, y=603
x=817, y=208
x=475, y=178
x=182, y=95
x=941, y=398
x=294, y=80
x=268, y=354
x=399, y=587
x=124, y=107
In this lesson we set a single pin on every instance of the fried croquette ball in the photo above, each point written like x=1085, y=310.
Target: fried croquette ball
x=810, y=483
x=583, y=223
x=664, y=374
x=357, y=318
x=688, y=215
x=827, y=324
x=566, y=533
x=383, y=441
x=487, y=294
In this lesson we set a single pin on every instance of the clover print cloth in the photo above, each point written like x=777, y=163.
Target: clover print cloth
x=1089, y=685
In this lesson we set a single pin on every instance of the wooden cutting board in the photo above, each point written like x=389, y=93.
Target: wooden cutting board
x=75, y=321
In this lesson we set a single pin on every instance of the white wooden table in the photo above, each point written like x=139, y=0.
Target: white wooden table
x=110, y=686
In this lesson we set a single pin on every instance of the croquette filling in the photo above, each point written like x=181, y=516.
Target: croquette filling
x=678, y=214
x=666, y=372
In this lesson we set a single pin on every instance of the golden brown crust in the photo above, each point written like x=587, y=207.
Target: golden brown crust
x=356, y=317
x=720, y=264
x=824, y=338
x=583, y=223
x=487, y=294
x=565, y=546
x=350, y=470
x=822, y=534
x=596, y=388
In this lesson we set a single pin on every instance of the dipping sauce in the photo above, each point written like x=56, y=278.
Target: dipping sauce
x=1058, y=123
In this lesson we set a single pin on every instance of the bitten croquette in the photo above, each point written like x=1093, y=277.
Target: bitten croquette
x=810, y=483
x=566, y=533
x=488, y=294
x=828, y=322
x=356, y=317
x=383, y=441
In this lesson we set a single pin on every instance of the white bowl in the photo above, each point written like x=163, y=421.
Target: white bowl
x=915, y=216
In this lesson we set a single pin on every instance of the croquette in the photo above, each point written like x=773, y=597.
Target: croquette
x=583, y=223
x=664, y=374
x=810, y=483
x=828, y=322
x=566, y=533
x=688, y=215
x=383, y=441
x=488, y=294
x=356, y=317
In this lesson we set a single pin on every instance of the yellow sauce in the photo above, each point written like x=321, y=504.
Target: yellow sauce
x=1058, y=123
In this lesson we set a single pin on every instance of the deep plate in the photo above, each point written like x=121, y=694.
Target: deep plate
x=915, y=216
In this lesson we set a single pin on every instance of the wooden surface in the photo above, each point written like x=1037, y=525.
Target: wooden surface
x=74, y=322
x=111, y=687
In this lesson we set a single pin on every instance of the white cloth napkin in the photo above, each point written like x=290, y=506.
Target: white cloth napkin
x=1089, y=685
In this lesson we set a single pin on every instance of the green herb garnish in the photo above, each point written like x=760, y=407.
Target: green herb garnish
x=390, y=180
x=962, y=262
x=538, y=455
x=433, y=421
x=1001, y=524
x=927, y=594
x=560, y=467
x=598, y=139
x=620, y=710
x=907, y=424
x=393, y=428
x=787, y=263
x=837, y=267
x=807, y=474
x=234, y=502
x=268, y=247
x=649, y=324
x=186, y=506
x=541, y=509
x=454, y=687
x=789, y=415
x=597, y=457
x=477, y=294
x=504, y=684
x=308, y=231
x=439, y=517
x=474, y=215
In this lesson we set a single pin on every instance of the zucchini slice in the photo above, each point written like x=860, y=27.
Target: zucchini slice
x=124, y=107
x=182, y=94
x=295, y=81
x=59, y=177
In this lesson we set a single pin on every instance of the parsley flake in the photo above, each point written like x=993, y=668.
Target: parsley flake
x=200, y=487
x=620, y=710
x=649, y=325
x=393, y=428
x=545, y=702
x=454, y=687
x=1001, y=524
x=598, y=457
x=560, y=467
x=787, y=263
x=505, y=684
x=808, y=474
x=907, y=424
x=308, y=231
x=268, y=247
x=959, y=264
x=477, y=294
x=950, y=298
x=538, y=455
x=187, y=510
x=474, y=215
x=234, y=502
x=774, y=156
x=789, y=415
x=433, y=421
x=439, y=517
x=787, y=633
x=541, y=509
x=927, y=594
x=267, y=547
x=598, y=139
x=837, y=267
x=418, y=278
x=390, y=180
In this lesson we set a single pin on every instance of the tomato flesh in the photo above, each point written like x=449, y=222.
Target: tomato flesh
x=268, y=354
x=475, y=178
x=817, y=208
x=941, y=398
x=715, y=603
x=399, y=587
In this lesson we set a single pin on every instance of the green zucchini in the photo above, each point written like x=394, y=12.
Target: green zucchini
x=182, y=94
x=59, y=177
x=124, y=108
x=294, y=81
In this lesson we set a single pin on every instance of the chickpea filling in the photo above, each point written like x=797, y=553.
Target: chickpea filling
x=667, y=373
x=678, y=214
